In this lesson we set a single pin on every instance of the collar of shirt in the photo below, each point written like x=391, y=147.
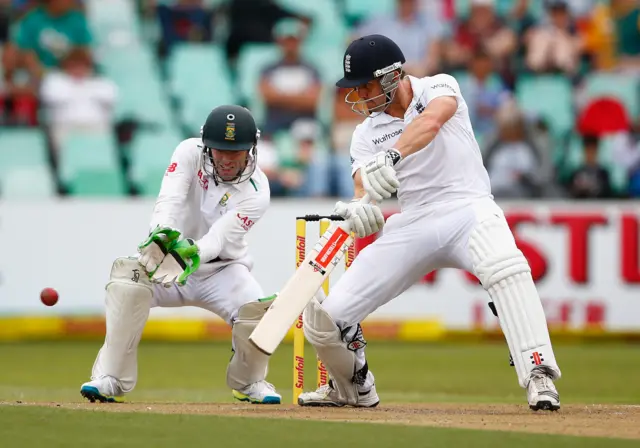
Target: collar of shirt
x=384, y=118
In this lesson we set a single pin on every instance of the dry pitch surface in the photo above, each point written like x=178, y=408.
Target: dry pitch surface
x=619, y=421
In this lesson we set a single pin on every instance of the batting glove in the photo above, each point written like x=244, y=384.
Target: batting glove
x=379, y=178
x=365, y=219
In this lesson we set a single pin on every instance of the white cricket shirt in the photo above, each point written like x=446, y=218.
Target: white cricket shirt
x=449, y=168
x=217, y=217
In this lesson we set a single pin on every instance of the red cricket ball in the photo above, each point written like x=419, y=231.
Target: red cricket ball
x=49, y=296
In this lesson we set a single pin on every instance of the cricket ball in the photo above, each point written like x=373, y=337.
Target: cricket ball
x=49, y=296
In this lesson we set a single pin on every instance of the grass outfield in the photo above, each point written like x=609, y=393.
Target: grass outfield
x=472, y=385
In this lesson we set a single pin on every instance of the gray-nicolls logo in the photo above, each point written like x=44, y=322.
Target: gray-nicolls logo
x=357, y=340
x=347, y=63
x=136, y=275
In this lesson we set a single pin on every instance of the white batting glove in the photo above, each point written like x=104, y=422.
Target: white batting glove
x=379, y=177
x=365, y=219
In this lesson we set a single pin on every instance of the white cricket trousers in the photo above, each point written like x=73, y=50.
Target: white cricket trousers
x=222, y=292
x=412, y=244
x=470, y=235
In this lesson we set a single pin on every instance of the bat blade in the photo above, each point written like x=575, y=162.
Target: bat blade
x=301, y=288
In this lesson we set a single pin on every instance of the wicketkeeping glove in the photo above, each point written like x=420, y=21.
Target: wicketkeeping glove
x=365, y=218
x=156, y=246
x=182, y=260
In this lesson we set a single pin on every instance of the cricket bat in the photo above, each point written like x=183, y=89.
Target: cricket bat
x=300, y=289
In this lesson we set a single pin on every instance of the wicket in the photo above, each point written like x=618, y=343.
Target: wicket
x=298, y=333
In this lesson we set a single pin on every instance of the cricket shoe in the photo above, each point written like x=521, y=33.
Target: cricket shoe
x=104, y=390
x=541, y=392
x=260, y=392
x=327, y=396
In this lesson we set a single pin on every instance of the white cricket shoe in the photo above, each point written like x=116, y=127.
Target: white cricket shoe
x=104, y=390
x=541, y=392
x=260, y=392
x=329, y=397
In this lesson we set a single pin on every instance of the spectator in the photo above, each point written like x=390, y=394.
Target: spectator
x=253, y=21
x=291, y=86
x=269, y=163
x=484, y=93
x=513, y=161
x=483, y=30
x=556, y=45
x=345, y=121
x=626, y=154
x=184, y=21
x=49, y=32
x=5, y=13
x=612, y=35
x=418, y=35
x=591, y=180
x=44, y=36
x=626, y=19
x=18, y=92
x=75, y=99
x=442, y=10
x=306, y=172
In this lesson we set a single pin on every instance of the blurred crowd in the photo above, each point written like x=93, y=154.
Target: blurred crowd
x=520, y=64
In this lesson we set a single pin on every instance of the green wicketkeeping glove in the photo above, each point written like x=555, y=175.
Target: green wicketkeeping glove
x=182, y=260
x=156, y=246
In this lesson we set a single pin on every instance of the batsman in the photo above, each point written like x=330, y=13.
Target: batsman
x=417, y=142
x=195, y=254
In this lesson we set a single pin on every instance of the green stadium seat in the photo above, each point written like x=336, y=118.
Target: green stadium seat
x=618, y=174
x=141, y=94
x=31, y=182
x=133, y=62
x=356, y=10
x=22, y=148
x=88, y=165
x=150, y=154
x=549, y=97
x=113, y=22
x=251, y=60
x=318, y=10
x=198, y=65
x=625, y=88
x=328, y=61
x=145, y=101
x=200, y=80
x=329, y=64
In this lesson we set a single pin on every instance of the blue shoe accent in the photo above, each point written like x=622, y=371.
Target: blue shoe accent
x=93, y=394
x=271, y=400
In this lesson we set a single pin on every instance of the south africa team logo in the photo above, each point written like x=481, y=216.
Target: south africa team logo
x=230, y=132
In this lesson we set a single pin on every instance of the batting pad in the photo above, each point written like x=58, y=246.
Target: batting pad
x=128, y=301
x=505, y=274
x=323, y=333
x=248, y=364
